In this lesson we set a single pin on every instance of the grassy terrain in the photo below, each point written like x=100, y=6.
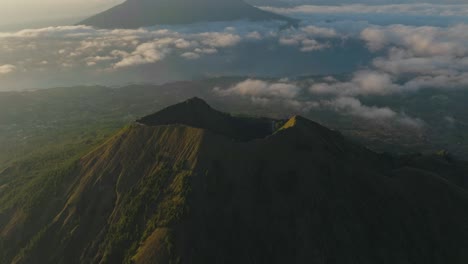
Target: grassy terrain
x=173, y=193
x=45, y=131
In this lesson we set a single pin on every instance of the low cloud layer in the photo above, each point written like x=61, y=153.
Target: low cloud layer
x=401, y=9
x=84, y=46
x=7, y=68
x=362, y=83
x=391, y=49
x=290, y=95
x=409, y=58
x=405, y=57
x=354, y=107
x=262, y=89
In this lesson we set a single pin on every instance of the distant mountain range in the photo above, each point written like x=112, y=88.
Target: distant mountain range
x=190, y=184
x=143, y=13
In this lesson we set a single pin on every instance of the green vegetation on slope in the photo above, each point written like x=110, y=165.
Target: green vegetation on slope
x=178, y=194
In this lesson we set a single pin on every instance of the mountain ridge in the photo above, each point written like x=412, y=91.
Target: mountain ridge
x=161, y=191
x=197, y=113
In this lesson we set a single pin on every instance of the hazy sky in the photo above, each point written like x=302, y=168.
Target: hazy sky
x=24, y=11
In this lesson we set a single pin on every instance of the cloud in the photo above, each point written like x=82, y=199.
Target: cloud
x=254, y=35
x=308, y=38
x=354, y=107
x=322, y=32
x=84, y=46
x=280, y=93
x=362, y=83
x=406, y=9
x=261, y=89
x=288, y=95
x=191, y=55
x=427, y=51
x=420, y=41
x=219, y=40
x=400, y=58
x=426, y=57
x=409, y=58
x=146, y=53
x=6, y=69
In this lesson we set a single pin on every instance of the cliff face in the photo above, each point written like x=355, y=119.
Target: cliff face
x=143, y=13
x=172, y=189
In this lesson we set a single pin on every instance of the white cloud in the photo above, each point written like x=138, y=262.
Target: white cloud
x=420, y=41
x=61, y=31
x=288, y=95
x=409, y=58
x=146, y=53
x=354, y=107
x=406, y=58
x=7, y=68
x=219, y=40
x=406, y=9
x=280, y=93
x=206, y=50
x=313, y=45
x=254, y=35
x=308, y=38
x=262, y=89
x=78, y=46
x=426, y=57
x=190, y=55
x=306, y=44
x=362, y=83
x=320, y=31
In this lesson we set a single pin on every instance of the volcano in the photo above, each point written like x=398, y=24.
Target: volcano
x=191, y=184
x=144, y=13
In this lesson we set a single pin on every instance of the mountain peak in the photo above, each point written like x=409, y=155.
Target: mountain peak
x=197, y=102
x=294, y=121
x=195, y=112
x=302, y=123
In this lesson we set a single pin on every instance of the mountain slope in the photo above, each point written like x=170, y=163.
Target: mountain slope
x=179, y=187
x=143, y=13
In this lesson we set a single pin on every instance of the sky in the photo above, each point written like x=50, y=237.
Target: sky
x=25, y=11
x=14, y=12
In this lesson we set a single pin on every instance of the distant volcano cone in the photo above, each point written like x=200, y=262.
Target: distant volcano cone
x=143, y=13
